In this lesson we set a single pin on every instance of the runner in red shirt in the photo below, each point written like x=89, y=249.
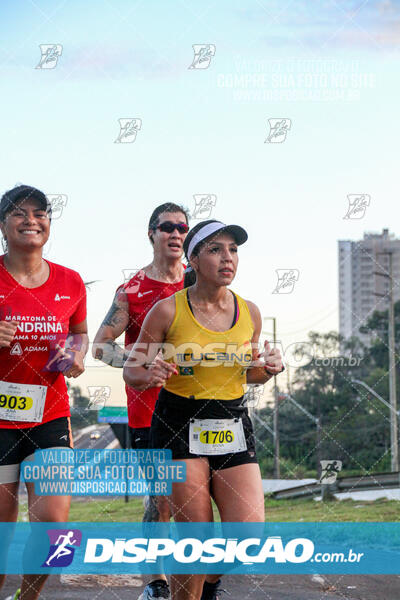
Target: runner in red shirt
x=133, y=300
x=43, y=336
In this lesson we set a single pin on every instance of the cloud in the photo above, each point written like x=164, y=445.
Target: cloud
x=315, y=24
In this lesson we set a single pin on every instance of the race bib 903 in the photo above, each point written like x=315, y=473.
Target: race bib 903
x=16, y=402
x=22, y=402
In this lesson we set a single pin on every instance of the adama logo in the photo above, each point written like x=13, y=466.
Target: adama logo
x=16, y=349
x=58, y=298
x=61, y=551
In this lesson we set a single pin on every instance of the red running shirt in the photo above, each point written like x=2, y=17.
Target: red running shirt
x=44, y=315
x=142, y=294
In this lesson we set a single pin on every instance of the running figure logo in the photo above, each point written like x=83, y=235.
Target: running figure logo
x=253, y=393
x=329, y=471
x=128, y=130
x=98, y=396
x=61, y=355
x=203, y=205
x=357, y=205
x=57, y=202
x=278, y=129
x=203, y=54
x=61, y=551
x=128, y=274
x=50, y=54
x=286, y=280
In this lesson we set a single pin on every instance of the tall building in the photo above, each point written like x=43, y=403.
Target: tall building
x=359, y=265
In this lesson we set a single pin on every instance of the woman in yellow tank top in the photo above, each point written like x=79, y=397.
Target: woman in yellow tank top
x=209, y=339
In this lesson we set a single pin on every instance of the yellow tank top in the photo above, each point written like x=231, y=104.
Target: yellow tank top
x=211, y=364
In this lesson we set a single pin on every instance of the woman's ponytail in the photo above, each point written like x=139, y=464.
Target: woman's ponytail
x=190, y=277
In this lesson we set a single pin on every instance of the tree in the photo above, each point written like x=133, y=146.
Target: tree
x=354, y=425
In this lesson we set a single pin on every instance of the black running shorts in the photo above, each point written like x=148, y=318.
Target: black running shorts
x=171, y=420
x=140, y=437
x=17, y=444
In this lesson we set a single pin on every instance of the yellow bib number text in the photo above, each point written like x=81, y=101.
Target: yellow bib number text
x=15, y=402
x=216, y=437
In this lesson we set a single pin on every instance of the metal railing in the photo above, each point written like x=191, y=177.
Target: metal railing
x=343, y=484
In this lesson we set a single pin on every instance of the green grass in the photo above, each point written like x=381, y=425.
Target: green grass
x=303, y=510
x=113, y=510
x=332, y=511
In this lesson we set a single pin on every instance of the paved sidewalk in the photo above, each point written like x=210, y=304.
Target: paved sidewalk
x=260, y=587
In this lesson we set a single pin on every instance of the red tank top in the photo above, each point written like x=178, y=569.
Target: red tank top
x=142, y=294
x=44, y=315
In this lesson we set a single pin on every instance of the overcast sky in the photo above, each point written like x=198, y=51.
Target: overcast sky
x=329, y=69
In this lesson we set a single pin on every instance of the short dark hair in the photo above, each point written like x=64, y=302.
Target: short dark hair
x=166, y=207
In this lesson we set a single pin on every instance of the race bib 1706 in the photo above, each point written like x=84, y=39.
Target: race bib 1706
x=216, y=436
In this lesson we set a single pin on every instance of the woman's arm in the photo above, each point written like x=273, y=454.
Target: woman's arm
x=264, y=364
x=143, y=368
x=115, y=323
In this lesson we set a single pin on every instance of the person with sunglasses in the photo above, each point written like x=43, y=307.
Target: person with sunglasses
x=42, y=308
x=167, y=229
x=211, y=336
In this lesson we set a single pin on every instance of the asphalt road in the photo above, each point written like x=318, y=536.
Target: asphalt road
x=106, y=437
x=84, y=441
x=260, y=587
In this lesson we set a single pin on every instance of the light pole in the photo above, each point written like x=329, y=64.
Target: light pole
x=316, y=420
x=392, y=364
x=277, y=469
x=394, y=415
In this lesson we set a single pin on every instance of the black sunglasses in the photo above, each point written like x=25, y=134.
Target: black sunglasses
x=169, y=227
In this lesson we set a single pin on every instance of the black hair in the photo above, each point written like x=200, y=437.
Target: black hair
x=190, y=277
x=13, y=197
x=166, y=207
x=17, y=194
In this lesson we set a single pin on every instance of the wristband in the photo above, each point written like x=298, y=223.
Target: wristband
x=269, y=372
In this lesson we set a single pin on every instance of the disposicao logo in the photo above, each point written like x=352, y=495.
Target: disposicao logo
x=191, y=550
x=61, y=551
